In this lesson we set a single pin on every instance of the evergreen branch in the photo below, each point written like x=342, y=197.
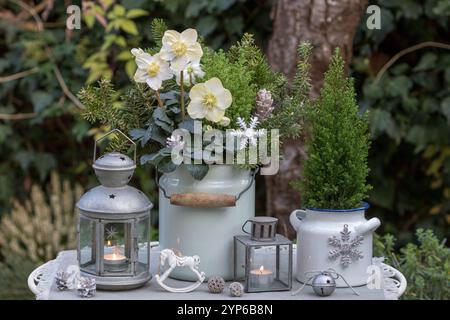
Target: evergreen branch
x=302, y=80
x=158, y=28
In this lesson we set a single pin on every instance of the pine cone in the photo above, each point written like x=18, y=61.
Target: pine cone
x=62, y=280
x=264, y=104
x=87, y=287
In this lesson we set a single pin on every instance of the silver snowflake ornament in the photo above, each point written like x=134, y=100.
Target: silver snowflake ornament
x=345, y=247
x=247, y=134
x=111, y=233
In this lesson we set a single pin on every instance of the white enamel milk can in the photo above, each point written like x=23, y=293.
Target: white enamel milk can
x=201, y=217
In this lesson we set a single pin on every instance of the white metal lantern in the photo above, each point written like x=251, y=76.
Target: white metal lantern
x=114, y=225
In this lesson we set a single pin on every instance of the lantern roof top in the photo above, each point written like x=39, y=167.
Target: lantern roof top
x=123, y=200
x=114, y=161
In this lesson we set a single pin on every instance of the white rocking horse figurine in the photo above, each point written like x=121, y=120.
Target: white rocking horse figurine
x=178, y=261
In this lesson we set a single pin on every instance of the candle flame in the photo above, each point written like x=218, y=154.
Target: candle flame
x=108, y=243
x=261, y=269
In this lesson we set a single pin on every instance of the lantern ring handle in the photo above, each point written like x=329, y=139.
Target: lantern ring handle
x=107, y=134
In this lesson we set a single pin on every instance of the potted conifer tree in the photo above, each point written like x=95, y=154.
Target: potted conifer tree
x=332, y=231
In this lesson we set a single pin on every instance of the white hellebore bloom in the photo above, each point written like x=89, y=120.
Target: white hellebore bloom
x=151, y=69
x=180, y=48
x=192, y=71
x=209, y=100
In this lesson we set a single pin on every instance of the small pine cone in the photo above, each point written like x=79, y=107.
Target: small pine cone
x=264, y=104
x=216, y=284
x=87, y=287
x=62, y=280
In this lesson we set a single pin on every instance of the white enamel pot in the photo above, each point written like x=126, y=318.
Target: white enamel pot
x=337, y=239
x=201, y=217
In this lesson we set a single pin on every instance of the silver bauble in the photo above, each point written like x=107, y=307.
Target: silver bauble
x=323, y=284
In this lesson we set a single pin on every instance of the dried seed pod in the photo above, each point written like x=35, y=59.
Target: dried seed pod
x=216, y=284
x=236, y=289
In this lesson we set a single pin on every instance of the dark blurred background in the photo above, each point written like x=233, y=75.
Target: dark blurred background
x=46, y=147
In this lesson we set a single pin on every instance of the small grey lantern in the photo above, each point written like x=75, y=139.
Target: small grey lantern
x=114, y=225
x=263, y=259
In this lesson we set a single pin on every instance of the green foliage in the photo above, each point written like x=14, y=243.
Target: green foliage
x=288, y=114
x=302, y=80
x=131, y=111
x=425, y=265
x=409, y=123
x=336, y=170
x=243, y=70
x=119, y=28
x=98, y=102
x=14, y=272
x=248, y=55
x=217, y=64
x=158, y=28
x=220, y=22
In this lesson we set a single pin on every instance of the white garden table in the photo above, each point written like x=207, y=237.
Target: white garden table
x=41, y=283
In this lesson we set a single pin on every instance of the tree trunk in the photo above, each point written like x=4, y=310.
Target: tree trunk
x=326, y=24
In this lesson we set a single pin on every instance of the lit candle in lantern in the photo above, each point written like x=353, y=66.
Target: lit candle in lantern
x=262, y=278
x=114, y=258
x=109, y=247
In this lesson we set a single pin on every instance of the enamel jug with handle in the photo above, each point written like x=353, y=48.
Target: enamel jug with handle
x=338, y=239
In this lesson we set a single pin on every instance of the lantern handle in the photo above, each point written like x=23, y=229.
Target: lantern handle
x=107, y=134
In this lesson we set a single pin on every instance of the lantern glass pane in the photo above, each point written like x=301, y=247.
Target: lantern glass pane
x=143, y=245
x=263, y=266
x=87, y=239
x=239, y=260
x=117, y=247
x=283, y=275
